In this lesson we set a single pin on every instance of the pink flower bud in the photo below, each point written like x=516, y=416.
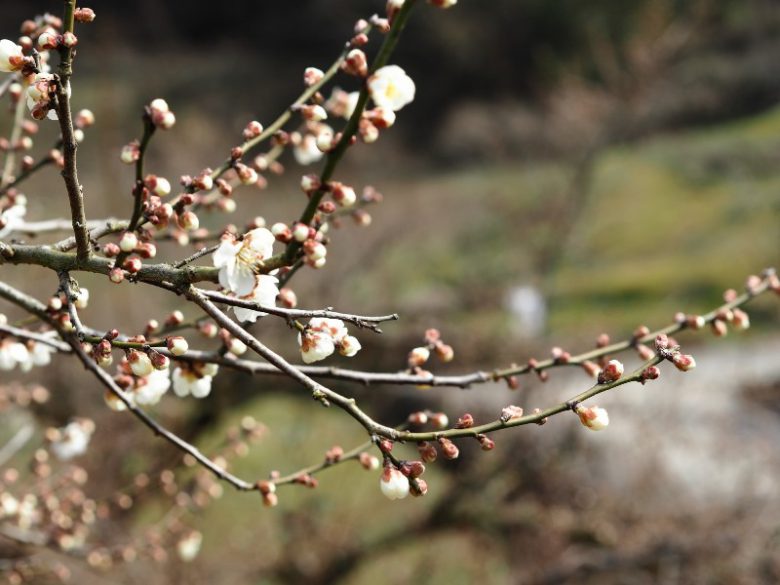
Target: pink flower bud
x=427, y=452
x=740, y=320
x=683, y=362
x=448, y=449
x=128, y=242
x=132, y=265
x=116, y=275
x=695, y=322
x=159, y=361
x=312, y=75
x=510, y=412
x=310, y=183
x=591, y=368
x=439, y=420
x=356, y=63
x=84, y=15
x=611, y=372
x=444, y=352
x=465, y=422
x=645, y=353
x=651, y=373
x=418, y=418
x=288, y=298
x=719, y=328
x=368, y=461
x=661, y=341
x=418, y=487
x=486, y=443
x=314, y=113
x=253, y=130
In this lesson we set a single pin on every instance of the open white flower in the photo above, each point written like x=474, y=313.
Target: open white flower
x=193, y=381
x=13, y=353
x=12, y=218
x=264, y=293
x=323, y=336
x=38, y=98
x=11, y=56
x=390, y=87
x=394, y=484
x=38, y=354
x=236, y=260
x=150, y=389
x=73, y=439
x=306, y=152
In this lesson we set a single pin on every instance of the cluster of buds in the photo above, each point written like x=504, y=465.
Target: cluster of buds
x=160, y=114
x=420, y=355
x=668, y=349
x=322, y=336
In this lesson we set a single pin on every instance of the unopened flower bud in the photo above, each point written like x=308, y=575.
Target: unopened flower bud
x=394, y=484
x=418, y=487
x=695, y=322
x=448, y=449
x=132, y=265
x=310, y=183
x=343, y=195
x=486, y=443
x=356, y=63
x=312, y=75
x=177, y=345
x=661, y=341
x=611, y=372
x=591, y=368
x=84, y=15
x=159, y=361
x=719, y=328
x=644, y=352
x=683, y=362
x=188, y=221
x=418, y=356
x=314, y=113
x=651, y=373
x=465, y=422
x=128, y=242
x=418, y=418
x=439, y=420
x=140, y=363
x=427, y=452
x=595, y=418
x=740, y=320
x=444, y=352
x=368, y=461
x=288, y=298
x=116, y=275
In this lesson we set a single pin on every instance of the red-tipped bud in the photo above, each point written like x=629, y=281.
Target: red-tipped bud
x=719, y=328
x=661, y=341
x=683, y=362
x=612, y=372
x=486, y=443
x=427, y=452
x=465, y=422
x=650, y=373
x=448, y=449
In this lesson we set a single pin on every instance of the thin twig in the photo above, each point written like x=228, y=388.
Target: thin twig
x=69, y=146
x=359, y=320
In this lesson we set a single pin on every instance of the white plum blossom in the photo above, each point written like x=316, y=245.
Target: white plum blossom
x=323, y=336
x=13, y=353
x=264, y=293
x=38, y=354
x=394, y=484
x=13, y=217
x=150, y=389
x=307, y=152
x=349, y=346
x=38, y=98
x=237, y=260
x=11, y=56
x=73, y=439
x=390, y=87
x=195, y=381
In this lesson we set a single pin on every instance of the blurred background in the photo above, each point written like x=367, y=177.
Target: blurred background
x=566, y=169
